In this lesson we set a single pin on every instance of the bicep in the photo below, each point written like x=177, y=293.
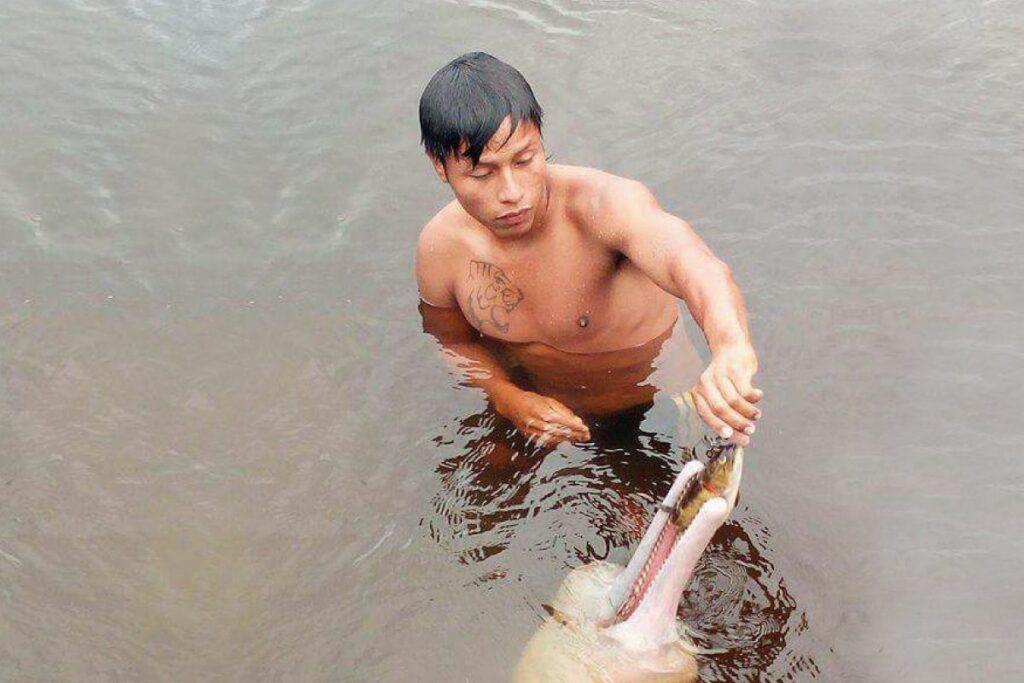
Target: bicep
x=663, y=246
x=439, y=308
x=434, y=274
x=447, y=325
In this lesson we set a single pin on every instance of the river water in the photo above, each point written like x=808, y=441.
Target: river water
x=228, y=452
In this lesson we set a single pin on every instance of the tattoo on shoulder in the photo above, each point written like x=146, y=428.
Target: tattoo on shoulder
x=492, y=296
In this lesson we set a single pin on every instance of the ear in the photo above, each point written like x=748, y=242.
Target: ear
x=439, y=168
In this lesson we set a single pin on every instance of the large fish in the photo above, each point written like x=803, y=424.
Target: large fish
x=619, y=625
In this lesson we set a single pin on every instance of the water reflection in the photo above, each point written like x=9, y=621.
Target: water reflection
x=500, y=477
x=182, y=488
x=577, y=503
x=740, y=612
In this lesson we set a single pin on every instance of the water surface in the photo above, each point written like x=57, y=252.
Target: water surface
x=230, y=453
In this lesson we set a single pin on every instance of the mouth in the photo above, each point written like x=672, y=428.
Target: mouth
x=649, y=589
x=514, y=218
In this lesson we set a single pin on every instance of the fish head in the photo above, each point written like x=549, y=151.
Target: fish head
x=647, y=595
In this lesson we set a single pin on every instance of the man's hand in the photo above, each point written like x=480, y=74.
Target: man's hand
x=725, y=395
x=541, y=418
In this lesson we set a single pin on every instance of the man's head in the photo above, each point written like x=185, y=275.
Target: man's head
x=481, y=128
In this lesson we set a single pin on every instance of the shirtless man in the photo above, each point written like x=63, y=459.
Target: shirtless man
x=563, y=258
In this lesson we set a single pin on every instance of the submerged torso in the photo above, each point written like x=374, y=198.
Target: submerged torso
x=610, y=381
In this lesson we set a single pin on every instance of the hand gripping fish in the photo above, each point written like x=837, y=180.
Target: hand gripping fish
x=619, y=625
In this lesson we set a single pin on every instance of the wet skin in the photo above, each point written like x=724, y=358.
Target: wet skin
x=588, y=384
x=589, y=264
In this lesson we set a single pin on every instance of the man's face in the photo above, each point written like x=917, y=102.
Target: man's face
x=506, y=190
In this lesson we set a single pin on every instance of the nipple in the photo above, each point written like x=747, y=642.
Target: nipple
x=583, y=321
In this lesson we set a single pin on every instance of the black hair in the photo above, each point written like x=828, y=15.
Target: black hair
x=466, y=101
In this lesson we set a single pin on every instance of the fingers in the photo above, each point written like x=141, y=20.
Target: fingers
x=550, y=436
x=716, y=423
x=558, y=433
x=711, y=389
x=539, y=440
x=545, y=420
x=747, y=391
x=551, y=423
x=561, y=416
x=736, y=400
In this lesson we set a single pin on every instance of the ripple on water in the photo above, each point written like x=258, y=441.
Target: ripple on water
x=574, y=505
x=740, y=612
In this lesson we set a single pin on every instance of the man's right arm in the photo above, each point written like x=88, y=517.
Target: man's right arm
x=462, y=351
x=537, y=416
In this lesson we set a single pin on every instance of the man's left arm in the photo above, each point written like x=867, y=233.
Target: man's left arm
x=668, y=250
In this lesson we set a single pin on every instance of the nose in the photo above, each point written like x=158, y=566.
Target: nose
x=510, y=192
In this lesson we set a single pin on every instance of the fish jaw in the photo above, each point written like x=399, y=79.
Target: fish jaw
x=663, y=564
x=622, y=585
x=653, y=623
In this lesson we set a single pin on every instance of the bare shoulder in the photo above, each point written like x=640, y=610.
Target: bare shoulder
x=443, y=227
x=600, y=201
x=440, y=243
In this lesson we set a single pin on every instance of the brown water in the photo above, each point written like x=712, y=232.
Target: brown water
x=227, y=451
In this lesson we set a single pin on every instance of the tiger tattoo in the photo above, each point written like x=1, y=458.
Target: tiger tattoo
x=492, y=296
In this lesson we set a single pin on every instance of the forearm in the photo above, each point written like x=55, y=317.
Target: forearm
x=536, y=416
x=477, y=366
x=668, y=250
x=462, y=351
x=724, y=395
x=714, y=301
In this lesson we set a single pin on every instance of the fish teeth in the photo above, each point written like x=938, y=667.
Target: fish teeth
x=640, y=585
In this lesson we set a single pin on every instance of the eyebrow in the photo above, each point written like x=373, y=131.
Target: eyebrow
x=525, y=148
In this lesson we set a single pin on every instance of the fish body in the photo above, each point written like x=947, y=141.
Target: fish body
x=571, y=647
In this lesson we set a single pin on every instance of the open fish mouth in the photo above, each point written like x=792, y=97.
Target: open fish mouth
x=694, y=488
x=663, y=545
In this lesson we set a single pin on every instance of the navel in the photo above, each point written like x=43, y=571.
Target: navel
x=583, y=321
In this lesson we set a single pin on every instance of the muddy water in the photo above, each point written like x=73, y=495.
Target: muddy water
x=229, y=452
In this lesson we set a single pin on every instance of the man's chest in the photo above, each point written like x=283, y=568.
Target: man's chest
x=549, y=297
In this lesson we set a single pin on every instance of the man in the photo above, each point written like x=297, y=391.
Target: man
x=560, y=258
